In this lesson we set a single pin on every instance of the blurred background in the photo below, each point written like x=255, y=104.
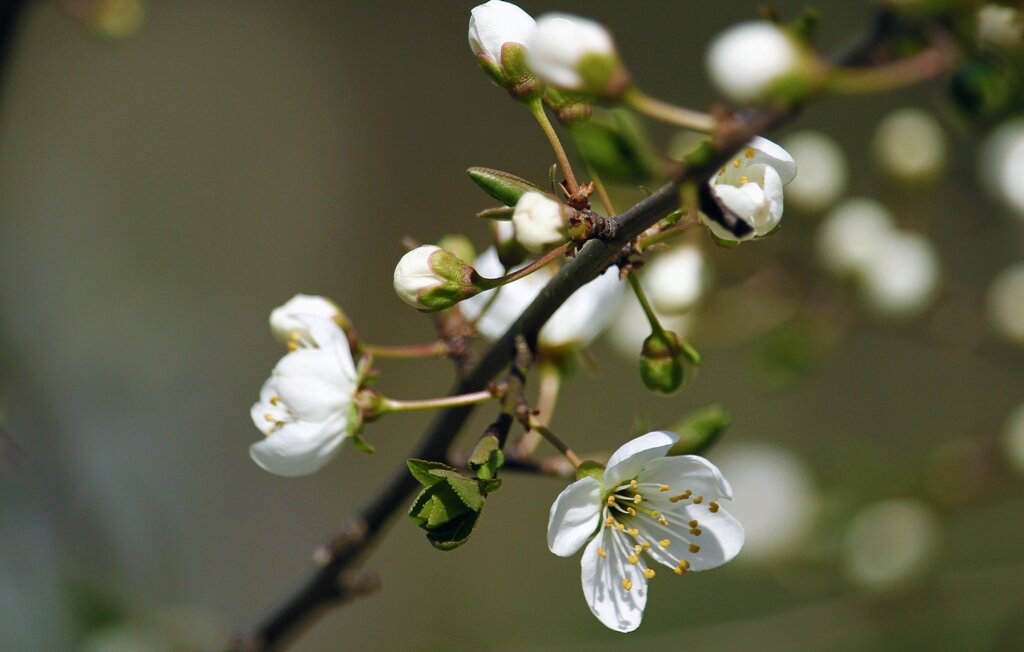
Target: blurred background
x=167, y=178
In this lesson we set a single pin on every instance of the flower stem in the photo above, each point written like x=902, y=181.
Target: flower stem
x=550, y=378
x=920, y=67
x=537, y=109
x=387, y=405
x=641, y=296
x=489, y=283
x=407, y=351
x=553, y=439
x=681, y=227
x=670, y=113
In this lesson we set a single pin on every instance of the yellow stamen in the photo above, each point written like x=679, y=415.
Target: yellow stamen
x=638, y=548
x=601, y=553
x=744, y=180
x=626, y=584
x=611, y=501
x=694, y=548
x=631, y=511
x=693, y=523
x=663, y=520
x=633, y=484
x=637, y=499
x=649, y=573
x=698, y=500
x=695, y=531
x=633, y=559
x=662, y=487
x=713, y=506
x=678, y=570
x=749, y=152
x=684, y=563
x=633, y=532
x=664, y=543
x=736, y=163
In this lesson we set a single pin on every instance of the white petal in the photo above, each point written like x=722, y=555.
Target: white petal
x=627, y=462
x=772, y=186
x=602, y=577
x=720, y=540
x=773, y=155
x=283, y=322
x=299, y=448
x=575, y=516
x=495, y=23
x=747, y=201
x=684, y=472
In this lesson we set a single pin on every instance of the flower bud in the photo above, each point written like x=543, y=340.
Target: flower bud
x=576, y=54
x=540, y=222
x=661, y=364
x=429, y=278
x=290, y=329
x=757, y=62
x=910, y=145
x=498, y=34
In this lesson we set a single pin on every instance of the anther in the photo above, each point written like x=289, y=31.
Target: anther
x=631, y=511
x=608, y=521
x=649, y=573
x=713, y=506
x=637, y=499
x=275, y=400
x=611, y=501
x=698, y=500
x=626, y=584
x=633, y=532
x=749, y=152
x=638, y=548
x=744, y=180
x=662, y=487
x=664, y=543
x=633, y=559
x=695, y=531
x=663, y=520
x=693, y=523
x=736, y=163
x=694, y=548
x=601, y=553
x=633, y=484
x=619, y=526
x=678, y=570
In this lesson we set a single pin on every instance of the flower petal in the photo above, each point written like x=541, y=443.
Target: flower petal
x=719, y=540
x=615, y=606
x=299, y=448
x=773, y=155
x=627, y=462
x=684, y=472
x=575, y=515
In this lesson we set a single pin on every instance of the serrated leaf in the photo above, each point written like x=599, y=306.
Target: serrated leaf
x=466, y=489
x=503, y=186
x=437, y=506
x=455, y=534
x=487, y=458
x=420, y=469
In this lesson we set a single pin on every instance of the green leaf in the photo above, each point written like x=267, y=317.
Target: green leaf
x=497, y=213
x=455, y=533
x=420, y=469
x=503, y=186
x=487, y=458
x=466, y=489
x=436, y=506
x=616, y=144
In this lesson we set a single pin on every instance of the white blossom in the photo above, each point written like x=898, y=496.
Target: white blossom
x=1001, y=26
x=750, y=187
x=647, y=508
x=561, y=43
x=748, y=59
x=306, y=407
x=431, y=278
x=495, y=23
x=578, y=321
x=910, y=145
x=286, y=326
x=539, y=222
x=823, y=170
x=1005, y=303
x=675, y=280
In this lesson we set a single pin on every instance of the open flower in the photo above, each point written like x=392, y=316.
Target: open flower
x=578, y=321
x=750, y=188
x=287, y=326
x=307, y=406
x=647, y=508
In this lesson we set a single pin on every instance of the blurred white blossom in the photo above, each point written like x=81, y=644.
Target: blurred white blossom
x=746, y=61
x=890, y=543
x=823, y=170
x=910, y=145
x=578, y=321
x=1006, y=303
x=540, y=222
x=1001, y=26
x=676, y=279
x=850, y=232
x=561, y=45
x=1013, y=439
x=495, y=23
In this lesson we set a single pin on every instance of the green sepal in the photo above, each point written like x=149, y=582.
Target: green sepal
x=459, y=245
x=455, y=533
x=466, y=489
x=497, y=214
x=617, y=146
x=691, y=354
x=490, y=486
x=487, y=458
x=722, y=242
x=590, y=469
x=491, y=69
x=437, y=506
x=503, y=186
x=700, y=430
x=362, y=445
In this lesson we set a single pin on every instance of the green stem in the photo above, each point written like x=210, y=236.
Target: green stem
x=922, y=66
x=641, y=296
x=553, y=439
x=387, y=405
x=489, y=283
x=670, y=113
x=537, y=109
x=550, y=383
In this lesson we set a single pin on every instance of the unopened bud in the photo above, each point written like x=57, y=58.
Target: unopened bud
x=430, y=278
x=661, y=364
x=759, y=62
x=576, y=54
x=498, y=33
x=540, y=222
